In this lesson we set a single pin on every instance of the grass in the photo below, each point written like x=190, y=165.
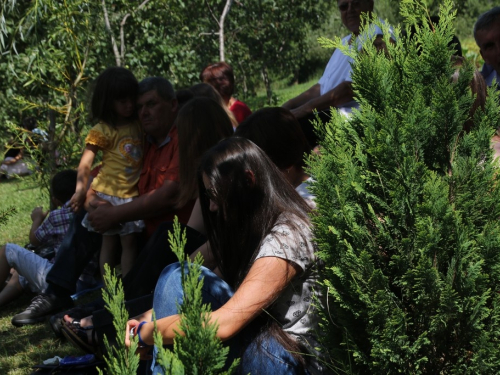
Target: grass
x=26, y=346
x=280, y=94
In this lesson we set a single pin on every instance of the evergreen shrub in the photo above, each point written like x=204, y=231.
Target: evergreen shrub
x=197, y=351
x=408, y=212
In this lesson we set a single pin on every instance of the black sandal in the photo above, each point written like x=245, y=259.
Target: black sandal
x=79, y=337
x=57, y=321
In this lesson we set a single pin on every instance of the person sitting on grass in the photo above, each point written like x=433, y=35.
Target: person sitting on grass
x=48, y=229
x=334, y=89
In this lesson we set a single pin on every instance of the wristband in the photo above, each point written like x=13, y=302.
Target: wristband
x=137, y=331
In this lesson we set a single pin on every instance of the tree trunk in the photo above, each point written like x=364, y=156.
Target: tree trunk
x=267, y=83
x=223, y=16
x=51, y=155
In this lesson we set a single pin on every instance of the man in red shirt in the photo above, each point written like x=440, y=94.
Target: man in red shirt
x=158, y=188
x=159, y=181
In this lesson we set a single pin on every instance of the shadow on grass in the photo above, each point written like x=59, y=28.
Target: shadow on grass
x=23, y=347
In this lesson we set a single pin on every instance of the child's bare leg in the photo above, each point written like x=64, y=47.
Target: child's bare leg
x=12, y=290
x=129, y=252
x=4, y=266
x=109, y=249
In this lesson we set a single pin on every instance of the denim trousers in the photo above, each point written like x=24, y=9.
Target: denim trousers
x=267, y=357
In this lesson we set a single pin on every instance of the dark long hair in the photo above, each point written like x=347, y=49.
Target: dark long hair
x=114, y=83
x=248, y=209
x=201, y=123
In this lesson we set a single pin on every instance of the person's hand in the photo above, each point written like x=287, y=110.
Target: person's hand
x=93, y=201
x=144, y=351
x=77, y=200
x=102, y=218
x=38, y=214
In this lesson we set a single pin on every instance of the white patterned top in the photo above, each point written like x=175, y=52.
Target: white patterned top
x=294, y=308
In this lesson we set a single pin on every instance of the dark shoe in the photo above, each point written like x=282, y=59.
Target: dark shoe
x=41, y=307
x=84, y=338
x=77, y=312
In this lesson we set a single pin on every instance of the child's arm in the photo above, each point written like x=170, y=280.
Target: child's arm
x=37, y=216
x=78, y=199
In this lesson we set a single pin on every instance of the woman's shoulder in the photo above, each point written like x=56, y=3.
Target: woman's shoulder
x=290, y=239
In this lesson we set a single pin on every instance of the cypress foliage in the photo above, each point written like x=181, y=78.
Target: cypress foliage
x=409, y=209
x=197, y=351
x=119, y=359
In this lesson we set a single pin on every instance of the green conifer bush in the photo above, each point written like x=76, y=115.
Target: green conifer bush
x=408, y=212
x=197, y=351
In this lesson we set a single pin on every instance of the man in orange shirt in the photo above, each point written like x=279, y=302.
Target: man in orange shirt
x=158, y=189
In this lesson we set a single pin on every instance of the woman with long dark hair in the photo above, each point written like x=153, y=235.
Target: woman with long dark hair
x=260, y=239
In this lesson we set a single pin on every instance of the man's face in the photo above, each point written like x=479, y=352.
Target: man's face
x=350, y=13
x=156, y=114
x=489, y=45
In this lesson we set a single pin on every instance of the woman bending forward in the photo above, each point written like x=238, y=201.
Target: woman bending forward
x=260, y=240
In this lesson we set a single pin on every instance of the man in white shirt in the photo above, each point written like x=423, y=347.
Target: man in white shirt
x=334, y=88
x=487, y=35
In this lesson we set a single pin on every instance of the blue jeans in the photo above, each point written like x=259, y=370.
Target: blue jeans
x=270, y=358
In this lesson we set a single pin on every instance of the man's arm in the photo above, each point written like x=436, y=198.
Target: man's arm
x=303, y=98
x=337, y=96
x=149, y=205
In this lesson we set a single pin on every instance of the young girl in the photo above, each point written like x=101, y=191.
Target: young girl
x=259, y=234
x=118, y=135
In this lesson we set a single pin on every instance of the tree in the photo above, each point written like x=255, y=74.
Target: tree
x=52, y=65
x=408, y=208
x=268, y=38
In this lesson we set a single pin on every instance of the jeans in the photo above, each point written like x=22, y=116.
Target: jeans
x=74, y=254
x=270, y=358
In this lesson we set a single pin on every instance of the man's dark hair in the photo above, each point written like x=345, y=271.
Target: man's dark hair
x=486, y=20
x=162, y=86
x=64, y=185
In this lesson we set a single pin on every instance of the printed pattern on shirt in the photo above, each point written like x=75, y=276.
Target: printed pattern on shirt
x=54, y=228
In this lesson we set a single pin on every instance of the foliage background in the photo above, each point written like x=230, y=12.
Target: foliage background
x=52, y=50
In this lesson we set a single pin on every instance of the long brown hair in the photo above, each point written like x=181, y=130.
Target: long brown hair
x=201, y=123
x=207, y=91
x=248, y=212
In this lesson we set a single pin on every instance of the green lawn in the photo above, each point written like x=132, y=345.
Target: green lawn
x=21, y=348
x=280, y=93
